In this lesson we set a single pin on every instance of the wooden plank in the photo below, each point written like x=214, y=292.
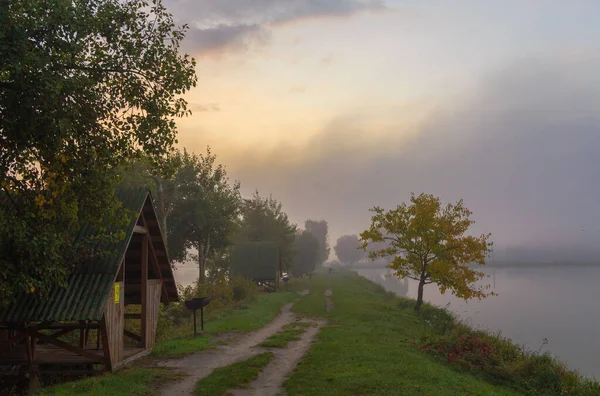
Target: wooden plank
x=72, y=326
x=165, y=298
x=138, y=229
x=132, y=335
x=106, y=344
x=71, y=348
x=154, y=292
x=44, y=354
x=144, y=291
x=133, y=315
x=61, y=333
x=114, y=317
x=141, y=353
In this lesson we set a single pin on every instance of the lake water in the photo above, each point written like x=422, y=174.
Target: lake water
x=550, y=302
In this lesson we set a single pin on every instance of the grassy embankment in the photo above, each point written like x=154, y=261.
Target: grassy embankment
x=142, y=380
x=376, y=345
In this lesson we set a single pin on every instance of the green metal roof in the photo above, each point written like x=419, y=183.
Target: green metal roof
x=255, y=260
x=89, y=285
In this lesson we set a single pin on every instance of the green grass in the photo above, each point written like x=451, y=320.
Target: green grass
x=367, y=348
x=281, y=339
x=252, y=317
x=131, y=381
x=237, y=375
x=314, y=304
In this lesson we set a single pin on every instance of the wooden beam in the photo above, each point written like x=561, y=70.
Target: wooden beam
x=133, y=316
x=105, y=344
x=68, y=347
x=72, y=326
x=156, y=263
x=132, y=335
x=138, y=355
x=132, y=254
x=162, y=281
x=61, y=333
x=138, y=229
x=144, y=290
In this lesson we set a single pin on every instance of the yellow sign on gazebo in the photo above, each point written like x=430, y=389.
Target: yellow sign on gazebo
x=117, y=292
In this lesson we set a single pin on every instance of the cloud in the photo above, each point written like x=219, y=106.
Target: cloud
x=234, y=25
x=297, y=90
x=523, y=150
x=205, y=107
x=327, y=59
x=231, y=37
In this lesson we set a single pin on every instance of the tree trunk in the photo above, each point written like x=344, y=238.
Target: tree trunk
x=420, y=295
x=202, y=254
x=201, y=264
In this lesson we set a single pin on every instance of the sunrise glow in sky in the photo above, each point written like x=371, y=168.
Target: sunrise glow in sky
x=337, y=106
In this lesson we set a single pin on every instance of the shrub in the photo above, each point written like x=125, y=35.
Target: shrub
x=223, y=294
x=497, y=357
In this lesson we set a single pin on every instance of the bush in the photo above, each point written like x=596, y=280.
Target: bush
x=223, y=294
x=498, y=358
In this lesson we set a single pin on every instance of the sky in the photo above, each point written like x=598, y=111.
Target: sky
x=336, y=106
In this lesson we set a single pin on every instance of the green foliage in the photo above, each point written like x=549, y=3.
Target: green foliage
x=308, y=253
x=158, y=177
x=84, y=88
x=429, y=244
x=237, y=375
x=320, y=229
x=498, y=358
x=348, y=249
x=206, y=211
x=263, y=219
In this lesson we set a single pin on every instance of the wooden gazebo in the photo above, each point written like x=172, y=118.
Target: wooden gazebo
x=83, y=327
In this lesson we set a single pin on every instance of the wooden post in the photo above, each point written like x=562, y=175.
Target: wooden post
x=105, y=344
x=144, y=291
x=30, y=345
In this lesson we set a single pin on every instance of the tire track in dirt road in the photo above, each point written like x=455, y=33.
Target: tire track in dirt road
x=270, y=380
x=200, y=365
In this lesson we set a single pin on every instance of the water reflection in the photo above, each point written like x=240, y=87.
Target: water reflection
x=554, y=302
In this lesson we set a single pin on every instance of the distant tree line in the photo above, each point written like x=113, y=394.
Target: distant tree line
x=204, y=214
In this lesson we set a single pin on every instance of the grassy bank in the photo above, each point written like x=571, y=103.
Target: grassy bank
x=140, y=380
x=377, y=345
x=374, y=344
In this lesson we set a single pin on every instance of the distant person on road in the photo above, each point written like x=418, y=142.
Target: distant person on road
x=330, y=269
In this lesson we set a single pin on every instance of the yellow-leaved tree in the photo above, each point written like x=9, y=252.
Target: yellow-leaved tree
x=428, y=243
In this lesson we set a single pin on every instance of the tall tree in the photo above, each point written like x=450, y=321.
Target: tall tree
x=263, y=219
x=348, y=249
x=307, y=250
x=206, y=211
x=159, y=178
x=320, y=229
x=428, y=243
x=85, y=86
